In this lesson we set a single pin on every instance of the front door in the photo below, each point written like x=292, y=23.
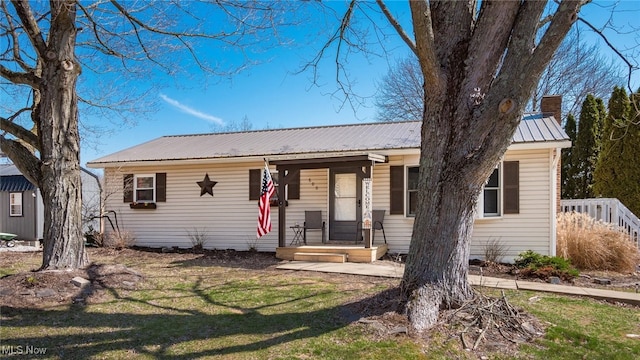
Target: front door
x=345, y=201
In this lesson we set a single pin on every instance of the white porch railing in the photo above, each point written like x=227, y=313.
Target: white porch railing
x=607, y=210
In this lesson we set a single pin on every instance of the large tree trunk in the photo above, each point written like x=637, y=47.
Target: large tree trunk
x=57, y=117
x=435, y=275
x=440, y=279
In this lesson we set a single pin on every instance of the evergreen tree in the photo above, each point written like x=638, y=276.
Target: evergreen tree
x=608, y=176
x=586, y=147
x=602, y=115
x=631, y=158
x=568, y=167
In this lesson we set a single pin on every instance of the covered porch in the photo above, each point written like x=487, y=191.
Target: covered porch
x=346, y=210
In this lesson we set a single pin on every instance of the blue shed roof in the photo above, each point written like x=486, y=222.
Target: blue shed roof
x=15, y=183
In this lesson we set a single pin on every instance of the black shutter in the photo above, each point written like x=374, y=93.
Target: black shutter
x=396, y=195
x=254, y=184
x=511, y=173
x=161, y=187
x=293, y=191
x=127, y=188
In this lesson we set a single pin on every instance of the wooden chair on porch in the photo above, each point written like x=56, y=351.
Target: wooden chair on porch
x=313, y=221
x=377, y=220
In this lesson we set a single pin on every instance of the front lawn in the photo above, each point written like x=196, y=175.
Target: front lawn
x=188, y=306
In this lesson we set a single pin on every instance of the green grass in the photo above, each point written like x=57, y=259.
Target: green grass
x=212, y=312
x=580, y=328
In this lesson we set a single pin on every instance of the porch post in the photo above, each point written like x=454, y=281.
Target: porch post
x=282, y=208
x=368, y=204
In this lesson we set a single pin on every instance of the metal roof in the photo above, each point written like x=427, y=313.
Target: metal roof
x=15, y=183
x=369, y=137
x=12, y=180
x=537, y=128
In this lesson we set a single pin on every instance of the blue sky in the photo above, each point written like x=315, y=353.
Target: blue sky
x=272, y=95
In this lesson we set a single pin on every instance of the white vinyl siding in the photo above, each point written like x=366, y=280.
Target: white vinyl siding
x=398, y=228
x=230, y=219
x=531, y=228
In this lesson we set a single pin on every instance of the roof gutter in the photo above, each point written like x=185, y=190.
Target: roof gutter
x=374, y=155
x=540, y=145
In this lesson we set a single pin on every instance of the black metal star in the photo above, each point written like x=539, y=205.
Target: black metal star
x=206, y=185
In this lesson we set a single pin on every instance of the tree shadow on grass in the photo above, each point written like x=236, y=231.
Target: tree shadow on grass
x=163, y=329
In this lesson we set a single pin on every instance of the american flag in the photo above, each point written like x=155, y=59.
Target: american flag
x=264, y=214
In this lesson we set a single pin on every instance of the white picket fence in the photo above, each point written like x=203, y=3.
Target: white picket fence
x=607, y=210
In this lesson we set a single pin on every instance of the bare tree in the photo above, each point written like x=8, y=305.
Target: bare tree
x=243, y=125
x=480, y=62
x=576, y=69
x=401, y=96
x=50, y=44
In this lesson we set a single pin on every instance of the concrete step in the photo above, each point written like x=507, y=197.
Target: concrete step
x=320, y=257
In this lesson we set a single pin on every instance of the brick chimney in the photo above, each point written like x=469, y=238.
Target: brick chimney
x=552, y=105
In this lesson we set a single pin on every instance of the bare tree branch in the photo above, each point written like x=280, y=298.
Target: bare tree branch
x=25, y=160
x=8, y=125
x=630, y=66
x=491, y=39
x=23, y=9
x=396, y=25
x=425, y=45
x=11, y=30
x=19, y=77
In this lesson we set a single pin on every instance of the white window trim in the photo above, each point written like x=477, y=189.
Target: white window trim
x=406, y=190
x=275, y=177
x=12, y=204
x=480, y=205
x=135, y=187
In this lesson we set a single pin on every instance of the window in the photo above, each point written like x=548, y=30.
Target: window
x=500, y=195
x=144, y=188
x=489, y=202
x=292, y=189
x=15, y=204
x=412, y=190
x=274, y=197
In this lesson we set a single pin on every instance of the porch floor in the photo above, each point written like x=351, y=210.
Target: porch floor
x=333, y=252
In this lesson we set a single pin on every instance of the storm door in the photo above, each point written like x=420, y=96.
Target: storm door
x=345, y=201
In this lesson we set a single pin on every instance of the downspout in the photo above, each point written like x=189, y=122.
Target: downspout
x=555, y=156
x=99, y=196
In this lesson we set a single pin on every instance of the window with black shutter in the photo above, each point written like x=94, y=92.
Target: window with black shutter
x=145, y=188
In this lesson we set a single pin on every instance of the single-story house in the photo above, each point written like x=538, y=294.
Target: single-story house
x=22, y=209
x=168, y=189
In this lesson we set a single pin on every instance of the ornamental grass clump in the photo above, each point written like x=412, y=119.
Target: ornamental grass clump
x=593, y=245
